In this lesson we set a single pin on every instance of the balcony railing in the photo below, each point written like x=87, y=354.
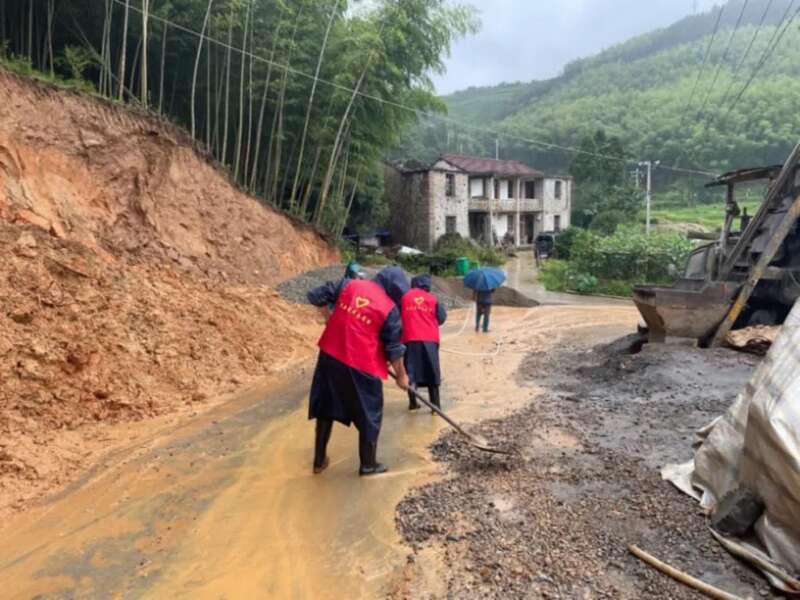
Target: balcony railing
x=505, y=206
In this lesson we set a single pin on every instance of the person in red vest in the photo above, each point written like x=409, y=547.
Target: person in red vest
x=362, y=336
x=422, y=315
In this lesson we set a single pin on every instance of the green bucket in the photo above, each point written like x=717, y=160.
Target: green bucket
x=462, y=266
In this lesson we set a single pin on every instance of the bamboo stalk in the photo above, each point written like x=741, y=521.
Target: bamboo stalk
x=680, y=576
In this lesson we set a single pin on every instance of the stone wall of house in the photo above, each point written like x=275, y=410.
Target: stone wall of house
x=410, y=208
x=557, y=207
x=443, y=206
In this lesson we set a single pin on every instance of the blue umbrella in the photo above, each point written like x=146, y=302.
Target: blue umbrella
x=485, y=279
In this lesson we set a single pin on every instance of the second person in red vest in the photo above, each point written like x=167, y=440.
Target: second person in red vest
x=422, y=315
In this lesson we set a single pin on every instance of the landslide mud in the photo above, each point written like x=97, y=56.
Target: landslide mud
x=128, y=185
x=133, y=284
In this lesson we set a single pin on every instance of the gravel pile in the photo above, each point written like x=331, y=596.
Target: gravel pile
x=295, y=289
x=556, y=521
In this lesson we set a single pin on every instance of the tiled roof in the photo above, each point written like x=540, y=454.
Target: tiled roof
x=489, y=166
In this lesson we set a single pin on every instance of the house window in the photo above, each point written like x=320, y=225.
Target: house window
x=450, y=225
x=450, y=186
x=476, y=188
x=559, y=186
x=530, y=190
x=511, y=189
x=557, y=222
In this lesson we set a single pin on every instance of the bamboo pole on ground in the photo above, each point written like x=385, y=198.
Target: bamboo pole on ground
x=680, y=576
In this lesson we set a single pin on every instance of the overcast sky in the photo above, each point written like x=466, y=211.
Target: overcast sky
x=533, y=39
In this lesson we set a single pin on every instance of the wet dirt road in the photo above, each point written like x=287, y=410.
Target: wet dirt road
x=226, y=507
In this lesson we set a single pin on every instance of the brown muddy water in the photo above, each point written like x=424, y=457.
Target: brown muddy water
x=226, y=506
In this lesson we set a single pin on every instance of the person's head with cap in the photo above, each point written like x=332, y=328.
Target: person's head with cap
x=394, y=282
x=354, y=271
x=422, y=282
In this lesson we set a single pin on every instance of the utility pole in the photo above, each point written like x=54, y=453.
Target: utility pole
x=497, y=148
x=649, y=164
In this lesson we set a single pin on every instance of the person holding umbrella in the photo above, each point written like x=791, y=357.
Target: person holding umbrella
x=362, y=335
x=483, y=282
x=422, y=315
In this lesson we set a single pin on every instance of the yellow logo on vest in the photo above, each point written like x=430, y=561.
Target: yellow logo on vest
x=360, y=303
x=419, y=300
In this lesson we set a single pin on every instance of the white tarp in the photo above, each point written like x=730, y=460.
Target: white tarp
x=756, y=446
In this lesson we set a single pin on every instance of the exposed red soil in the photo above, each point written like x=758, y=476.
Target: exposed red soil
x=121, y=183
x=133, y=281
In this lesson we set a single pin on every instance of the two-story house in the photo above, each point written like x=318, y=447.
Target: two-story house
x=480, y=198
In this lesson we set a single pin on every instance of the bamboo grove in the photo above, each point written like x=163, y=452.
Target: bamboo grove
x=284, y=93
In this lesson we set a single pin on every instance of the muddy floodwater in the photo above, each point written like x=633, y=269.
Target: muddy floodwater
x=226, y=506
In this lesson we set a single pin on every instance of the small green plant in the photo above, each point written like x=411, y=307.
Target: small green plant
x=76, y=60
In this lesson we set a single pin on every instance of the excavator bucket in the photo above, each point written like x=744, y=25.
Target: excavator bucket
x=690, y=308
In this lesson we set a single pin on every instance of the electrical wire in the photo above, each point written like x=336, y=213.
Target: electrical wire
x=722, y=62
x=746, y=53
x=419, y=112
x=709, y=119
x=777, y=37
x=702, y=68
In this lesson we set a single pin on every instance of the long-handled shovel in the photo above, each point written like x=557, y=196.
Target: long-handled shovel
x=477, y=441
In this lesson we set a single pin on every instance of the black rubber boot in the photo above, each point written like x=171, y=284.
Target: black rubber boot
x=412, y=401
x=367, y=452
x=433, y=393
x=323, y=435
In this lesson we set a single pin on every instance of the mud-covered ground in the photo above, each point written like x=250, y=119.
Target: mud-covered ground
x=557, y=521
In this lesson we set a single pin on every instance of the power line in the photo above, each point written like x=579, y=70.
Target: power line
x=722, y=60
x=746, y=53
x=777, y=37
x=416, y=111
x=702, y=66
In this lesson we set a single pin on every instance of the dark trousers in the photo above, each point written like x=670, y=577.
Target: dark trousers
x=485, y=311
x=367, y=449
x=433, y=394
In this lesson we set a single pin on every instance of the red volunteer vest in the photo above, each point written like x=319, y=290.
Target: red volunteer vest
x=352, y=335
x=418, y=309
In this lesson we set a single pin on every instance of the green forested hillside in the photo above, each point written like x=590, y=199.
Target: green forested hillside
x=639, y=91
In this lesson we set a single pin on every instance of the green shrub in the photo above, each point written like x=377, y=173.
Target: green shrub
x=554, y=275
x=614, y=265
x=630, y=255
x=374, y=260
x=564, y=242
x=606, y=223
x=452, y=246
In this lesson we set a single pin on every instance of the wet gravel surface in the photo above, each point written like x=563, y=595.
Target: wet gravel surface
x=556, y=521
x=295, y=289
